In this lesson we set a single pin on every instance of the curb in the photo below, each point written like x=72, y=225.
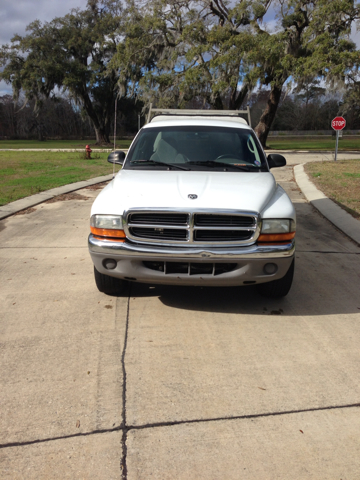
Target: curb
x=329, y=209
x=33, y=200
x=27, y=202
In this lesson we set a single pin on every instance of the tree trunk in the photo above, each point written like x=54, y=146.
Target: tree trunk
x=102, y=136
x=263, y=127
x=101, y=125
x=237, y=97
x=216, y=103
x=40, y=132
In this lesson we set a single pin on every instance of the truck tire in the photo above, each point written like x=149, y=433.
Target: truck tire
x=108, y=285
x=278, y=288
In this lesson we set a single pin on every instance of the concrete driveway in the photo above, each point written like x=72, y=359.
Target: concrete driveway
x=175, y=383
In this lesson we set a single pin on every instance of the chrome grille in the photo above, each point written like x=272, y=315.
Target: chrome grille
x=209, y=220
x=159, y=218
x=159, y=233
x=191, y=228
x=222, y=235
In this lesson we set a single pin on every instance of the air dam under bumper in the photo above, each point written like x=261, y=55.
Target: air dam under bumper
x=249, y=264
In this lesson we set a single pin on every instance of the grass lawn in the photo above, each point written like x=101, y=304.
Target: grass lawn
x=340, y=181
x=277, y=143
x=59, y=144
x=26, y=173
x=312, y=143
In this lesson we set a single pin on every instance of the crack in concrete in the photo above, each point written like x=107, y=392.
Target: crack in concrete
x=64, y=437
x=125, y=429
x=241, y=417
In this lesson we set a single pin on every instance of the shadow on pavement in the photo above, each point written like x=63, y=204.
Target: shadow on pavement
x=306, y=298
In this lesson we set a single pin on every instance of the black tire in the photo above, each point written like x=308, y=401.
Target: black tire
x=278, y=288
x=108, y=285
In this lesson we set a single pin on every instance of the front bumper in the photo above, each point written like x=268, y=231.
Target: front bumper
x=248, y=262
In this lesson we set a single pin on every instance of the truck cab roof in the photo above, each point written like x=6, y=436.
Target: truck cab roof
x=196, y=120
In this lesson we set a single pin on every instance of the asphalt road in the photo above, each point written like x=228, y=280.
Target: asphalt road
x=175, y=383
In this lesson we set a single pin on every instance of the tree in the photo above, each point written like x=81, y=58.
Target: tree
x=351, y=99
x=59, y=119
x=7, y=116
x=183, y=53
x=153, y=54
x=294, y=113
x=220, y=51
x=70, y=54
x=311, y=39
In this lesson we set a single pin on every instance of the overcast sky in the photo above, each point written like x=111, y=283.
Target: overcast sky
x=15, y=15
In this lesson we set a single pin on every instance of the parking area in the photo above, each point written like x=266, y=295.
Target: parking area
x=175, y=383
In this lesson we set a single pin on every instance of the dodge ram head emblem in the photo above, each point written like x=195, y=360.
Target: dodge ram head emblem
x=192, y=196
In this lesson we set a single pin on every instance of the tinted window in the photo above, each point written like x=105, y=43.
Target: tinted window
x=184, y=145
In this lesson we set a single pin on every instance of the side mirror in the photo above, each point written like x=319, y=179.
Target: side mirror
x=117, y=157
x=276, y=160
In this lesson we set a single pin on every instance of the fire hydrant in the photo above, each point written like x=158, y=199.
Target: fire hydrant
x=88, y=151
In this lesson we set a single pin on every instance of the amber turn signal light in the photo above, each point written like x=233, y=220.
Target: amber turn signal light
x=275, y=237
x=107, y=232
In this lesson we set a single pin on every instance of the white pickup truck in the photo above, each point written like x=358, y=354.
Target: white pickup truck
x=195, y=203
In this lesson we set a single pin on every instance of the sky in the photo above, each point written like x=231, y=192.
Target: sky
x=15, y=15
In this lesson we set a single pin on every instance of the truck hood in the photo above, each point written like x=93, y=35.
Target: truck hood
x=171, y=189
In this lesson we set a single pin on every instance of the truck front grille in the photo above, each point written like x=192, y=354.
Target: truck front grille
x=209, y=220
x=159, y=219
x=191, y=228
x=222, y=235
x=159, y=233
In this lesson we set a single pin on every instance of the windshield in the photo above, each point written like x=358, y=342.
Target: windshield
x=196, y=148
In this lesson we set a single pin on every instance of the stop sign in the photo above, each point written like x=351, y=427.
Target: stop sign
x=338, y=123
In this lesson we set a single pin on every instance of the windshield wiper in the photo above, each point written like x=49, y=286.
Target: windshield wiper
x=220, y=164
x=155, y=162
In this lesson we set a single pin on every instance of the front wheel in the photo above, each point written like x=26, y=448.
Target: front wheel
x=278, y=288
x=108, y=285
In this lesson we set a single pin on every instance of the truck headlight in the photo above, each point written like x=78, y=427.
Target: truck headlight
x=107, y=226
x=277, y=230
x=278, y=225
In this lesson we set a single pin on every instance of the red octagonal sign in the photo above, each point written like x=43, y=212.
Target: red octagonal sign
x=338, y=123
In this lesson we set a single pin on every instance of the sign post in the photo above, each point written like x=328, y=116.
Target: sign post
x=338, y=123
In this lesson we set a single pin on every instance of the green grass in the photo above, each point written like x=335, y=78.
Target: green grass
x=340, y=181
x=52, y=144
x=277, y=143
x=313, y=143
x=26, y=173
